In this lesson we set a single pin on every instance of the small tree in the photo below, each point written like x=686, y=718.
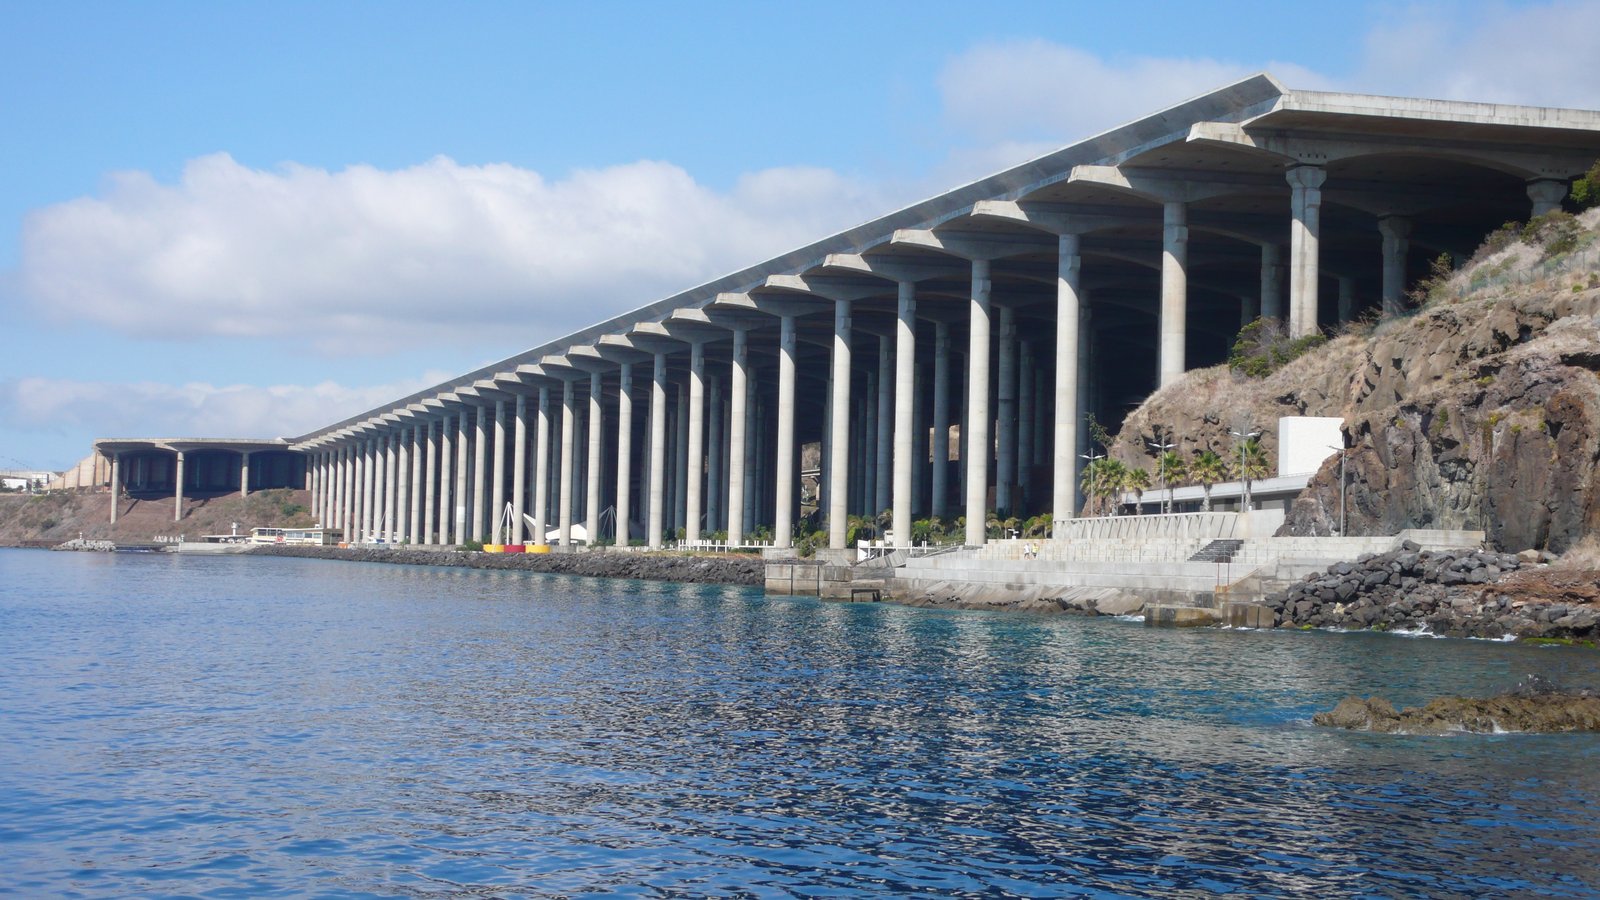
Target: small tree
x=1174, y=470
x=1206, y=470
x=1138, y=481
x=1251, y=465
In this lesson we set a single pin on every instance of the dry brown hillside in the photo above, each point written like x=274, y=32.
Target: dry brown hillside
x=59, y=516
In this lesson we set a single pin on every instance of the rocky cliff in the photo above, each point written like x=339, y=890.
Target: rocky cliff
x=1481, y=410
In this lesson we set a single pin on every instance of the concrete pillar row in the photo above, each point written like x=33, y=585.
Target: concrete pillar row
x=430, y=483
x=978, y=445
x=658, y=450
x=940, y=505
x=696, y=438
x=569, y=415
x=905, y=399
x=839, y=428
x=738, y=419
x=624, y=453
x=783, y=500
x=1305, y=232
x=1006, y=423
x=1271, y=281
x=1546, y=195
x=1396, y=232
x=519, y=469
x=1174, y=290
x=447, y=480
x=591, y=491
x=541, y=470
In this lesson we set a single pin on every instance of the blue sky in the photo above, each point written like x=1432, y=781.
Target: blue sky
x=255, y=219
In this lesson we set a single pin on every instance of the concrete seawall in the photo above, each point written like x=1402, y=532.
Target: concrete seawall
x=746, y=571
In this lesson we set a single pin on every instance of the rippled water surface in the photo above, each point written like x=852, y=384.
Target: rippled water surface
x=240, y=727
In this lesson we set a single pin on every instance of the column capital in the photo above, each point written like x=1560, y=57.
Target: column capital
x=1306, y=177
x=1546, y=194
x=1395, y=227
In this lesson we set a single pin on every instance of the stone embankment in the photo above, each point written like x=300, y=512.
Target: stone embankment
x=1534, y=707
x=87, y=545
x=1450, y=593
x=685, y=568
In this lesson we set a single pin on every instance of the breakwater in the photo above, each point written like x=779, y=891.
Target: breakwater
x=685, y=568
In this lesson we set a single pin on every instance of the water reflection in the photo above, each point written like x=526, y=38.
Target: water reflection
x=217, y=726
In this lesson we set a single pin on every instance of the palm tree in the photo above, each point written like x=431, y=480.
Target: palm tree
x=1174, y=470
x=1252, y=465
x=1138, y=481
x=1206, y=470
x=1111, y=482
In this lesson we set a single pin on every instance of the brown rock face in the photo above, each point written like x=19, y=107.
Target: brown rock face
x=1484, y=413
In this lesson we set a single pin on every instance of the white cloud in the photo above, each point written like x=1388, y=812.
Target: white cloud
x=1037, y=90
x=1541, y=54
x=365, y=260
x=195, y=409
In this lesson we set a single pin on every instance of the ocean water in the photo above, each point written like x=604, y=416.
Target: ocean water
x=242, y=727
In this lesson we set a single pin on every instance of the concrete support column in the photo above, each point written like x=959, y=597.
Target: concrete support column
x=569, y=415
x=358, y=491
x=497, y=482
x=402, y=500
x=940, y=505
x=541, y=470
x=374, y=478
x=346, y=476
x=882, y=449
x=839, y=428
x=1025, y=407
x=414, y=527
x=519, y=469
x=977, y=461
x=446, y=481
x=244, y=474
x=1304, y=256
x=480, y=474
x=1396, y=231
x=738, y=413
x=116, y=485
x=696, y=441
x=1272, y=282
x=391, y=486
x=756, y=453
x=783, y=500
x=865, y=462
x=658, y=450
x=1347, y=298
x=715, y=483
x=1006, y=438
x=177, y=505
x=463, y=493
x=1546, y=195
x=1083, y=400
x=1174, y=290
x=905, y=400
x=680, y=464
x=591, y=490
x=430, y=478
x=624, y=453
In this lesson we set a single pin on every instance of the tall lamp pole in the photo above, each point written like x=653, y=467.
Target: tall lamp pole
x=1244, y=490
x=1161, y=464
x=1091, y=456
x=1342, y=450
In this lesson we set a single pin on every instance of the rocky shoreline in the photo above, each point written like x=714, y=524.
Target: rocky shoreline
x=1463, y=593
x=1533, y=707
x=689, y=569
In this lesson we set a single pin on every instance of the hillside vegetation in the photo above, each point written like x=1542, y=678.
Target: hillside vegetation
x=1479, y=409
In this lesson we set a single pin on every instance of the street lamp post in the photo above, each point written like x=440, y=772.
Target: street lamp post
x=1244, y=489
x=1091, y=456
x=1342, y=451
x=1161, y=466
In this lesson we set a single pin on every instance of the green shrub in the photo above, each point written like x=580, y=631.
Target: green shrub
x=1555, y=231
x=1586, y=190
x=1264, y=346
x=470, y=546
x=1434, y=286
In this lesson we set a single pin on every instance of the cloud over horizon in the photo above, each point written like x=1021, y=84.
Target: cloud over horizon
x=388, y=259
